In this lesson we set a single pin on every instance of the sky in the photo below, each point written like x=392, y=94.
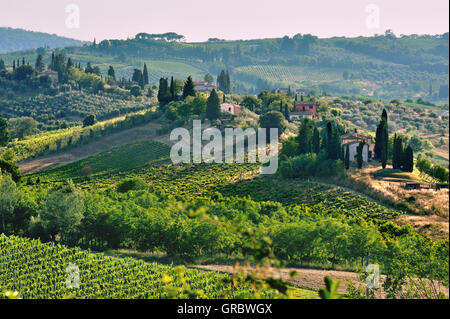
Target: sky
x=199, y=20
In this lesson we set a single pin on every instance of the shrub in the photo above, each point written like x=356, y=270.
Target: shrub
x=132, y=184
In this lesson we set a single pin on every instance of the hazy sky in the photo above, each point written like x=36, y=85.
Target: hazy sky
x=199, y=20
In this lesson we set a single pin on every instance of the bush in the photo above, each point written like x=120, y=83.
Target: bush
x=132, y=184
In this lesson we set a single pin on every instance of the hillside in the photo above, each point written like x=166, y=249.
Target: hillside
x=18, y=40
x=382, y=66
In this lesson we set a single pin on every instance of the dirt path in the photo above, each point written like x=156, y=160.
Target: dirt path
x=42, y=163
x=307, y=278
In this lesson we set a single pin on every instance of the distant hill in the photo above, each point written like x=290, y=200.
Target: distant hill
x=384, y=66
x=18, y=40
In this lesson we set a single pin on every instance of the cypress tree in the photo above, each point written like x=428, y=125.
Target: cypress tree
x=189, y=89
x=347, y=157
x=163, y=92
x=213, y=106
x=14, y=65
x=395, y=153
x=304, y=138
x=359, y=154
x=39, y=65
x=316, y=141
x=332, y=145
x=286, y=112
x=69, y=63
x=172, y=90
x=112, y=72
x=409, y=159
x=281, y=106
x=145, y=74
x=2, y=65
x=382, y=140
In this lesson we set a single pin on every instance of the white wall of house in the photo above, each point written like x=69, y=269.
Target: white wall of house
x=353, y=149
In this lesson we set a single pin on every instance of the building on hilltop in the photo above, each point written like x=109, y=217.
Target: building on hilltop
x=202, y=86
x=230, y=108
x=303, y=110
x=53, y=75
x=352, y=139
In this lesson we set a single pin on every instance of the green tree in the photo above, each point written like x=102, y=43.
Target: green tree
x=136, y=90
x=213, y=106
x=163, y=92
x=316, y=141
x=209, y=78
x=7, y=166
x=347, y=157
x=4, y=132
x=145, y=75
x=89, y=120
x=359, y=154
x=2, y=65
x=63, y=211
x=332, y=142
x=382, y=139
x=22, y=126
x=305, y=135
x=112, y=72
x=189, y=88
x=173, y=90
x=409, y=159
x=9, y=196
x=251, y=102
x=39, y=65
x=272, y=119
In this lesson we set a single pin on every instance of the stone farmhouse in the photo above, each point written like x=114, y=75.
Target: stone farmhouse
x=230, y=108
x=202, y=86
x=353, y=139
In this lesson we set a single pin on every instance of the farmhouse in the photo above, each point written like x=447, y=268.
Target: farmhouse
x=202, y=86
x=230, y=108
x=353, y=139
x=303, y=110
x=53, y=75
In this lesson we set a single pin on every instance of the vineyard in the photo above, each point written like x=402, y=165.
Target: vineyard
x=241, y=180
x=72, y=107
x=52, y=141
x=40, y=271
x=288, y=74
x=115, y=161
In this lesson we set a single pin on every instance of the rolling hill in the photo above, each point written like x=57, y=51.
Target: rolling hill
x=381, y=66
x=18, y=40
